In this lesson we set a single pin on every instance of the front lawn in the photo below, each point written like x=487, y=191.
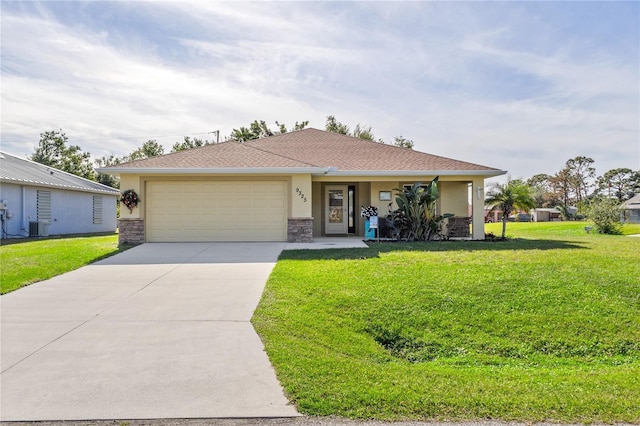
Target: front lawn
x=27, y=262
x=552, y=229
x=545, y=326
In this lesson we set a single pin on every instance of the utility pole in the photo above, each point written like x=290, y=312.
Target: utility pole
x=217, y=132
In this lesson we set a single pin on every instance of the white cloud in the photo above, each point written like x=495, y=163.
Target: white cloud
x=443, y=75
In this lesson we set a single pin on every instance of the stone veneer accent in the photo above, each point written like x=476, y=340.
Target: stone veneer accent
x=130, y=231
x=300, y=230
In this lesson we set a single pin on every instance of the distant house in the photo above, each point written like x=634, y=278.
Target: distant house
x=495, y=216
x=37, y=200
x=631, y=210
x=546, y=215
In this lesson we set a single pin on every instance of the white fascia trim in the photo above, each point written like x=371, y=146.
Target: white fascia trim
x=221, y=170
x=486, y=173
x=35, y=183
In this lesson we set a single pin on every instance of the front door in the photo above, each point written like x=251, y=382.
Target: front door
x=336, y=214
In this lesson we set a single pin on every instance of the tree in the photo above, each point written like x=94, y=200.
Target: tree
x=107, y=179
x=509, y=197
x=260, y=129
x=570, y=186
x=582, y=174
x=298, y=126
x=542, y=190
x=363, y=133
x=334, y=126
x=188, y=144
x=605, y=214
x=256, y=130
x=561, y=186
x=53, y=151
x=621, y=183
x=149, y=149
x=402, y=142
x=360, y=131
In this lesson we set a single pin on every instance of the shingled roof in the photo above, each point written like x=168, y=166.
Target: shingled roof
x=632, y=203
x=308, y=150
x=25, y=172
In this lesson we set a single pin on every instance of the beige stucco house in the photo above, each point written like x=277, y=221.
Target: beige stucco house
x=290, y=187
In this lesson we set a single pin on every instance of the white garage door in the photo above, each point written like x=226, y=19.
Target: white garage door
x=216, y=211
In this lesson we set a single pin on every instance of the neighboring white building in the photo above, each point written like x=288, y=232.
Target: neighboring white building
x=37, y=200
x=546, y=214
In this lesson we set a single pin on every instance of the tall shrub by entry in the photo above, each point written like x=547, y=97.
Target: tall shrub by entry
x=416, y=218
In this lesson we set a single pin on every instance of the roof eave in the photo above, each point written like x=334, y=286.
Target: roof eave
x=114, y=191
x=485, y=173
x=213, y=170
x=326, y=171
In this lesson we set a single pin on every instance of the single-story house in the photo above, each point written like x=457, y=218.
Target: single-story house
x=289, y=187
x=546, y=214
x=631, y=210
x=494, y=215
x=37, y=200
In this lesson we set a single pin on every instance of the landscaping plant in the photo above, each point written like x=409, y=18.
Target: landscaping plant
x=508, y=198
x=605, y=214
x=416, y=218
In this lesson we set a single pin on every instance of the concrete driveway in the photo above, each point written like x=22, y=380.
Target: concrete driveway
x=159, y=331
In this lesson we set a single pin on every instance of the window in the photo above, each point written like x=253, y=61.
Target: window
x=410, y=185
x=43, y=206
x=352, y=210
x=97, y=209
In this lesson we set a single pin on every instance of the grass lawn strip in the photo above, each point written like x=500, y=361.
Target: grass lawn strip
x=27, y=262
x=543, y=327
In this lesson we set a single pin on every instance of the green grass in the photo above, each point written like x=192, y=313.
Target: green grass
x=27, y=262
x=545, y=326
x=551, y=229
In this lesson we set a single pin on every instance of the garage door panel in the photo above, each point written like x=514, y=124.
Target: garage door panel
x=276, y=204
x=228, y=203
x=225, y=188
x=245, y=203
x=216, y=211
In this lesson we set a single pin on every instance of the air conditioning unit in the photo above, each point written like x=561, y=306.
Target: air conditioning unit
x=39, y=229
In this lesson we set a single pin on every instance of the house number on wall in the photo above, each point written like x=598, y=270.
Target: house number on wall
x=301, y=195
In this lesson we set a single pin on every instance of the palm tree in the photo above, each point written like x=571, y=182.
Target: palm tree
x=509, y=197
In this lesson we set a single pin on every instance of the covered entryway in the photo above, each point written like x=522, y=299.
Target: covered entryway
x=190, y=211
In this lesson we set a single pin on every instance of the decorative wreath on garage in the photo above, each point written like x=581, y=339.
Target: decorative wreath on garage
x=130, y=199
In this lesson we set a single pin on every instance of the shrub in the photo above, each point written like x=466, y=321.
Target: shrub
x=605, y=214
x=416, y=219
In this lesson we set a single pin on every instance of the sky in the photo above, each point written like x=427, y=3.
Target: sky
x=518, y=86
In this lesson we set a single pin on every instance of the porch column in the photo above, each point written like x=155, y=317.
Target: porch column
x=300, y=221
x=131, y=223
x=477, y=198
